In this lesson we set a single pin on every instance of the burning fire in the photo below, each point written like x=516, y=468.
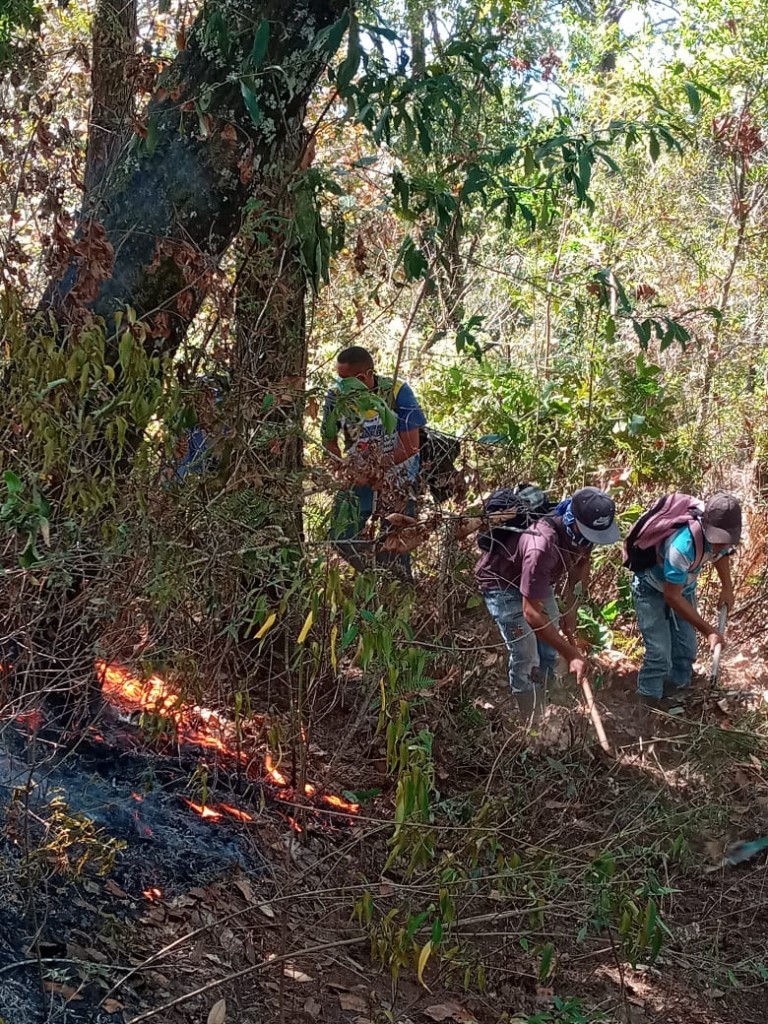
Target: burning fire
x=203, y=810
x=153, y=894
x=202, y=727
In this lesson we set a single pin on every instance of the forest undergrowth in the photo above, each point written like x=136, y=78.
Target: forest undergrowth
x=488, y=874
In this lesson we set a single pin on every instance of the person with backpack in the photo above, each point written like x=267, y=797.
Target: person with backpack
x=380, y=421
x=524, y=560
x=666, y=550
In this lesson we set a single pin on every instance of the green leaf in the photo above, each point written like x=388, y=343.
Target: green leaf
x=125, y=348
x=260, y=43
x=30, y=555
x=425, y=139
x=413, y=259
x=350, y=64
x=329, y=39
x=545, y=964
x=13, y=482
x=361, y=796
x=693, y=97
x=585, y=167
x=643, y=331
x=251, y=103
x=653, y=147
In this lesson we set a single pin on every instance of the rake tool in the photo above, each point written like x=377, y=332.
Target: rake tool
x=719, y=647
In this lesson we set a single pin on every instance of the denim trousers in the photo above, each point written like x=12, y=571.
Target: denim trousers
x=351, y=511
x=670, y=642
x=531, y=662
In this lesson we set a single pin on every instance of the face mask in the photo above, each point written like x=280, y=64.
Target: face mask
x=569, y=522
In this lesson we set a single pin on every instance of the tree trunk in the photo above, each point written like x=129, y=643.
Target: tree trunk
x=114, y=41
x=223, y=125
x=271, y=353
x=224, y=113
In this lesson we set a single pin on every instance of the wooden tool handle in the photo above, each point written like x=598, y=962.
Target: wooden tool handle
x=594, y=714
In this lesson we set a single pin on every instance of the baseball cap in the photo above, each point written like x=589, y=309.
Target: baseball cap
x=722, y=519
x=595, y=515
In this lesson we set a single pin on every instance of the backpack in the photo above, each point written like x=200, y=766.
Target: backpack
x=531, y=504
x=665, y=517
x=439, y=452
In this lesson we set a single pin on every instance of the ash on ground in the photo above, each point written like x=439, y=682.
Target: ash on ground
x=75, y=828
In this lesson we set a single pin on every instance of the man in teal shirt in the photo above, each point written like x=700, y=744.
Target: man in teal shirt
x=665, y=598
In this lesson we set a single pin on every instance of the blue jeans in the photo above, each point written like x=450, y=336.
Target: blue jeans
x=351, y=511
x=670, y=642
x=531, y=662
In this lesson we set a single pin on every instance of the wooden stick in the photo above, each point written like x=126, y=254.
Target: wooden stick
x=594, y=714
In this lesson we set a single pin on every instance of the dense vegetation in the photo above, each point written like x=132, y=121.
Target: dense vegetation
x=550, y=219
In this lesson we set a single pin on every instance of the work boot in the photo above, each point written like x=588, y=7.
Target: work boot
x=674, y=695
x=645, y=708
x=530, y=706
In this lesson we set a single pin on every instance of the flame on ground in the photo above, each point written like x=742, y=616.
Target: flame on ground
x=203, y=810
x=153, y=894
x=203, y=727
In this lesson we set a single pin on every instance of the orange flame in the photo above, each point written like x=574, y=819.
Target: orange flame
x=274, y=774
x=154, y=696
x=235, y=812
x=342, y=805
x=152, y=894
x=203, y=810
x=202, y=727
x=31, y=719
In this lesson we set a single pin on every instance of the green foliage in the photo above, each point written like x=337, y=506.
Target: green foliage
x=615, y=413
x=16, y=16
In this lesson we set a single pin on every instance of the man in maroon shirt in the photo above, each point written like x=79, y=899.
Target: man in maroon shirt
x=518, y=573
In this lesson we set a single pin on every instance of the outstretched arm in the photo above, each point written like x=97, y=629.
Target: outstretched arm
x=723, y=570
x=673, y=595
x=576, y=588
x=545, y=629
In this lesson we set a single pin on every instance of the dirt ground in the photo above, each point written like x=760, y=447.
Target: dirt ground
x=281, y=942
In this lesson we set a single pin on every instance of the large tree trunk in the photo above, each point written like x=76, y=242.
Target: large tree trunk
x=114, y=40
x=223, y=116
x=271, y=352
x=223, y=126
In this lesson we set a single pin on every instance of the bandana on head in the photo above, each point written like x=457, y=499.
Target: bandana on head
x=564, y=512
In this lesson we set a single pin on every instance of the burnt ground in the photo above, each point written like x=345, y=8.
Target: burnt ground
x=544, y=844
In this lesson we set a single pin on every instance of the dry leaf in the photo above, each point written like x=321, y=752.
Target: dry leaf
x=245, y=888
x=111, y=1006
x=351, y=1001
x=450, y=1011
x=218, y=1014
x=266, y=910
x=70, y=994
x=114, y=889
x=296, y=975
x=312, y=1007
